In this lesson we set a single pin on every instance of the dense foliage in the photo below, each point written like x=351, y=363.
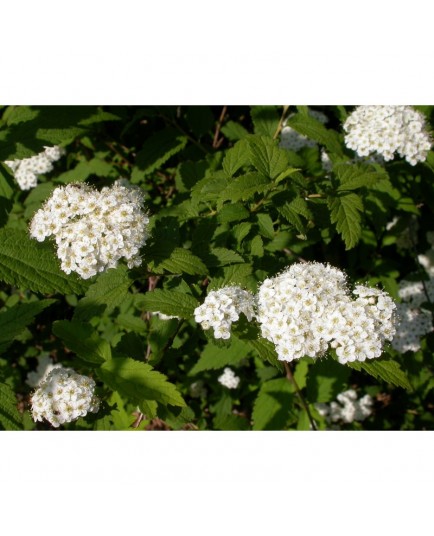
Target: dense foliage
x=231, y=202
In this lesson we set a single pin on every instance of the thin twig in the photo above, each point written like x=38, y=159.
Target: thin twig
x=216, y=141
x=291, y=378
x=280, y=125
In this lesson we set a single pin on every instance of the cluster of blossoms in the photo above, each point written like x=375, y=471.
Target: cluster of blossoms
x=26, y=171
x=327, y=163
x=387, y=130
x=347, y=408
x=308, y=308
x=290, y=139
x=222, y=307
x=198, y=390
x=93, y=229
x=64, y=396
x=229, y=379
x=45, y=366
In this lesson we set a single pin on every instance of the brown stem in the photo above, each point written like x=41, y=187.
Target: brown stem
x=291, y=378
x=216, y=142
x=280, y=125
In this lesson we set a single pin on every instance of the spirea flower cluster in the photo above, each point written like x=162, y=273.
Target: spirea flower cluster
x=347, y=408
x=45, y=366
x=222, y=307
x=387, y=130
x=308, y=309
x=229, y=379
x=63, y=397
x=414, y=321
x=26, y=171
x=292, y=140
x=93, y=229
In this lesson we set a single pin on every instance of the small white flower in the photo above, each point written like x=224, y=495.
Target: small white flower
x=64, y=396
x=91, y=233
x=26, y=171
x=229, y=379
x=387, y=130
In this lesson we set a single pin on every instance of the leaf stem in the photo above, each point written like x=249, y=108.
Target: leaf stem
x=291, y=378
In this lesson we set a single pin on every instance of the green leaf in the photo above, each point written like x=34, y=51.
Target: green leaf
x=221, y=257
x=232, y=212
x=139, y=382
x=84, y=169
x=16, y=318
x=273, y=406
x=7, y=189
x=326, y=379
x=266, y=227
x=257, y=247
x=33, y=265
x=83, y=341
x=156, y=150
x=234, y=131
x=384, y=369
x=108, y=292
x=236, y=274
x=214, y=357
x=345, y=212
x=353, y=176
x=10, y=417
x=181, y=261
x=315, y=130
x=265, y=120
x=267, y=157
x=292, y=217
x=169, y=302
x=235, y=158
x=245, y=187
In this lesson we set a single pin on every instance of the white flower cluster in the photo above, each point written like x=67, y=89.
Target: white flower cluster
x=327, y=164
x=229, y=379
x=64, y=396
x=93, y=229
x=347, y=409
x=387, y=130
x=222, y=307
x=26, y=171
x=414, y=321
x=308, y=308
x=45, y=366
x=290, y=139
x=198, y=390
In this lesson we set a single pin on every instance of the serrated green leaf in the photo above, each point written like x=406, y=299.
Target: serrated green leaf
x=265, y=120
x=266, y=227
x=84, y=169
x=235, y=158
x=221, y=257
x=213, y=357
x=292, y=217
x=274, y=405
x=108, y=292
x=33, y=265
x=10, y=417
x=7, y=189
x=83, y=341
x=244, y=187
x=345, y=212
x=156, y=150
x=16, y=318
x=169, y=302
x=234, y=131
x=352, y=177
x=181, y=261
x=232, y=212
x=240, y=231
x=236, y=274
x=131, y=322
x=267, y=157
x=257, y=247
x=139, y=382
x=384, y=369
x=315, y=130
